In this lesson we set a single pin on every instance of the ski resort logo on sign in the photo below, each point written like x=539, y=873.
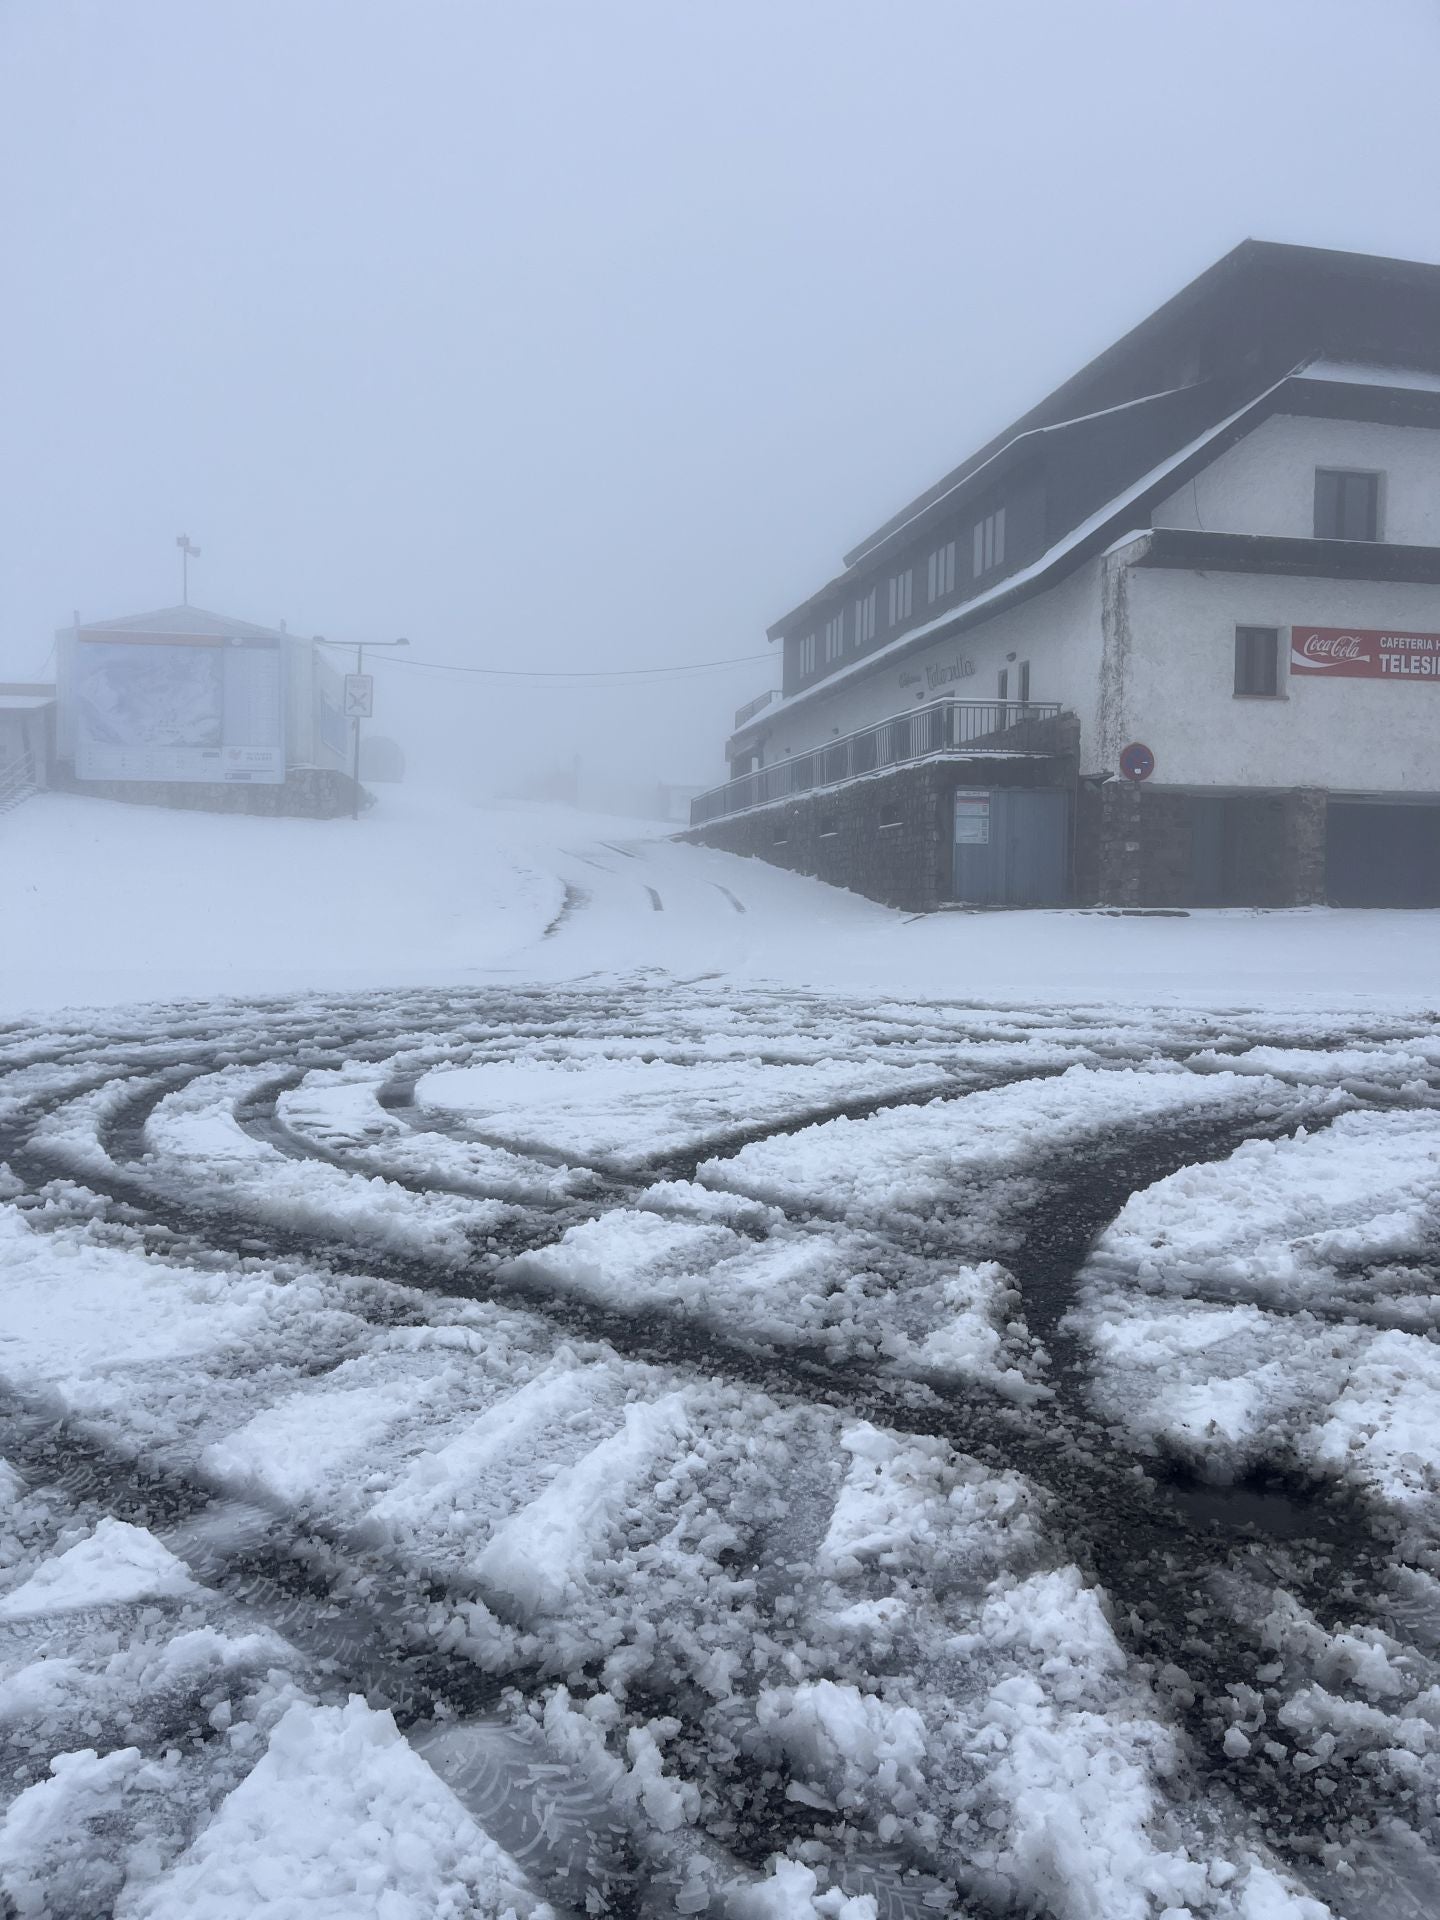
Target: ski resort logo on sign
x=1364, y=653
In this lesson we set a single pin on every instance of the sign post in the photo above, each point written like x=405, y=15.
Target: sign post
x=359, y=705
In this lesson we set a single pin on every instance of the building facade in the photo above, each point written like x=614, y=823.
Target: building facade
x=187, y=708
x=1172, y=639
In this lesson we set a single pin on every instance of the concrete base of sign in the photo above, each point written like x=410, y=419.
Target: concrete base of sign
x=306, y=793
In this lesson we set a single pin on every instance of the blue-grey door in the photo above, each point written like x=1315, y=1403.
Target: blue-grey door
x=1012, y=846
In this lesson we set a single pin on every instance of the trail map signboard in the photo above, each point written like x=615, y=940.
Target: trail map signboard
x=167, y=706
x=1365, y=653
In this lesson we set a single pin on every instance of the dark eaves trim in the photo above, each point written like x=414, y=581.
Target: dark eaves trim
x=1191, y=551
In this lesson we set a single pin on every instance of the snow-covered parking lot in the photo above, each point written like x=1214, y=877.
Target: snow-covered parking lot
x=646, y=1447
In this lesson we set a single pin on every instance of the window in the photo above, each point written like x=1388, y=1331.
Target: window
x=989, y=543
x=1002, y=684
x=1347, y=505
x=1022, y=682
x=834, y=637
x=942, y=571
x=807, y=654
x=901, y=593
x=1257, y=661
x=865, y=617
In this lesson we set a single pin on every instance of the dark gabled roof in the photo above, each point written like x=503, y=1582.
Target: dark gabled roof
x=182, y=620
x=1099, y=383
x=1253, y=315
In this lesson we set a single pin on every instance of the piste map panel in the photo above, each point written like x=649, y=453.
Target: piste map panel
x=179, y=707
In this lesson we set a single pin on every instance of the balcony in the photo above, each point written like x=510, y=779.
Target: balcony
x=757, y=705
x=944, y=729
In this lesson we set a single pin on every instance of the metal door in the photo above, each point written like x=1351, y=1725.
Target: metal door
x=1382, y=856
x=1012, y=846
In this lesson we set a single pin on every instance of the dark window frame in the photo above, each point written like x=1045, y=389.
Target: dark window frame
x=1257, y=664
x=1347, y=503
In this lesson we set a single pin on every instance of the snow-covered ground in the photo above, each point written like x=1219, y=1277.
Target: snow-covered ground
x=107, y=903
x=615, y=1380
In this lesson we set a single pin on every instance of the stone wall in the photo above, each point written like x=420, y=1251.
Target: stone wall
x=306, y=793
x=1271, y=847
x=889, y=837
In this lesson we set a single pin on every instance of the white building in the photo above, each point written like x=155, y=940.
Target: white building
x=192, y=708
x=1211, y=561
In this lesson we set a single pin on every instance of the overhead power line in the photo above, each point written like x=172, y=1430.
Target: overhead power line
x=579, y=673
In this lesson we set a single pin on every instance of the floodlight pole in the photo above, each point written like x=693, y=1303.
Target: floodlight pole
x=187, y=554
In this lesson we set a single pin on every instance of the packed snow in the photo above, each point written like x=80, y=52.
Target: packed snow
x=585, y=1422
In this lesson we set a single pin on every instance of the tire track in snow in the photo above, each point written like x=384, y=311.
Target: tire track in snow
x=1152, y=1551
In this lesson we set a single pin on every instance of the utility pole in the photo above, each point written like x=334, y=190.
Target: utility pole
x=355, y=769
x=364, y=697
x=187, y=554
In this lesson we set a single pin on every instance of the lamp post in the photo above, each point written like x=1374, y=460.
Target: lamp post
x=360, y=646
x=188, y=552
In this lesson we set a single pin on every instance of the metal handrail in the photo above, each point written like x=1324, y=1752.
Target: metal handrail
x=939, y=727
x=17, y=780
x=757, y=705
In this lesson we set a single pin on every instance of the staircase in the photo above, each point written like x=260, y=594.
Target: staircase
x=17, y=780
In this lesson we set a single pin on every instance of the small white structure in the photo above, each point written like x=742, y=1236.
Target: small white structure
x=188, y=697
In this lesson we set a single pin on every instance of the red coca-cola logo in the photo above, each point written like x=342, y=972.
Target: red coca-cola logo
x=1337, y=646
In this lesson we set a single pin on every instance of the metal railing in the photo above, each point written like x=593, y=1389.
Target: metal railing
x=17, y=780
x=757, y=705
x=941, y=727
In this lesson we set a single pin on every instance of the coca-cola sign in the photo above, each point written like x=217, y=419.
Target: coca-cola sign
x=1364, y=653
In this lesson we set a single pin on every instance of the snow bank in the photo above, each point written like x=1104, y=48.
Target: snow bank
x=116, y=1565
x=907, y=1161
x=340, y=1820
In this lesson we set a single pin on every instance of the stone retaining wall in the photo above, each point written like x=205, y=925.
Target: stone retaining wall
x=889, y=837
x=306, y=793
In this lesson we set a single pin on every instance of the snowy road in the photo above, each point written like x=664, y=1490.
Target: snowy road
x=651, y=1447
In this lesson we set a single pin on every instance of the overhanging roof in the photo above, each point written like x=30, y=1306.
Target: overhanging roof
x=1188, y=549
x=181, y=620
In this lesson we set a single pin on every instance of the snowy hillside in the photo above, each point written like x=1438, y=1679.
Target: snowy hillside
x=107, y=904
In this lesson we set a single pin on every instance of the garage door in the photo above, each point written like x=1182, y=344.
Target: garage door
x=1382, y=855
x=1012, y=846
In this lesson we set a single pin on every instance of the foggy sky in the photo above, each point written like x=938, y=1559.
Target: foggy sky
x=576, y=335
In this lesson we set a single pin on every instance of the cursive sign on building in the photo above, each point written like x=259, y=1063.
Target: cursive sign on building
x=948, y=672
x=1364, y=653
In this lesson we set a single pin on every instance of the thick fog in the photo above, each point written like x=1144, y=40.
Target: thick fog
x=588, y=336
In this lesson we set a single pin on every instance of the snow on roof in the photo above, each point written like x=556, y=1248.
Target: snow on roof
x=1003, y=589
x=184, y=620
x=1414, y=379
x=973, y=473
x=25, y=702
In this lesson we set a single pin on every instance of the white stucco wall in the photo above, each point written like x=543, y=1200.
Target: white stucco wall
x=1266, y=484
x=1170, y=683
x=1058, y=632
